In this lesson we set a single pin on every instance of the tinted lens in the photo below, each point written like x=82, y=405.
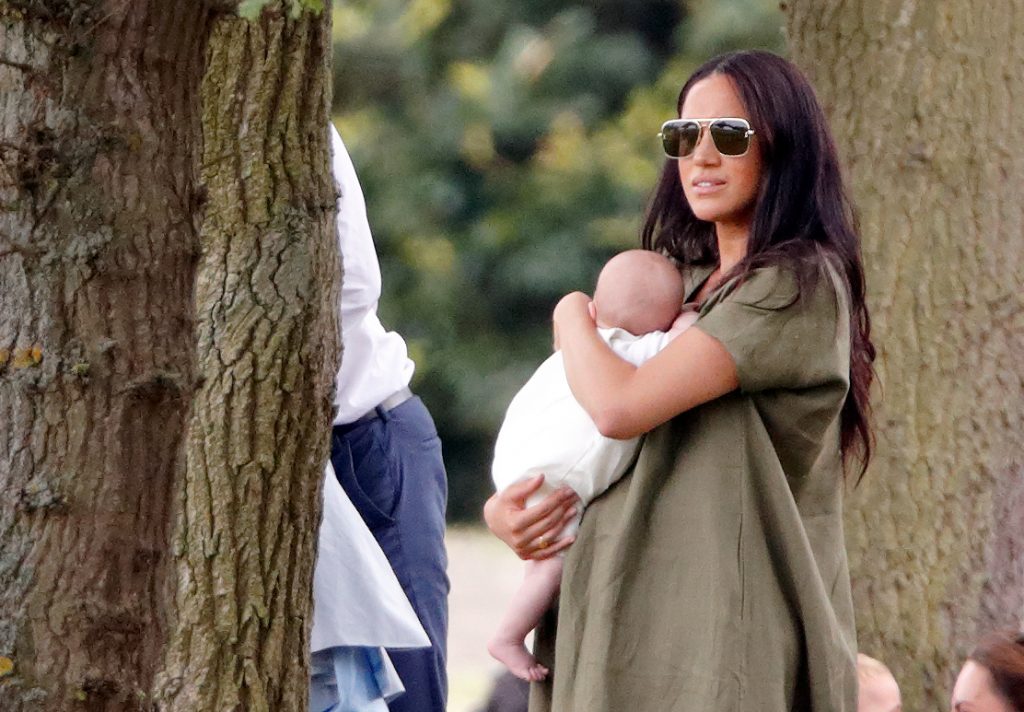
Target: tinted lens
x=679, y=137
x=730, y=136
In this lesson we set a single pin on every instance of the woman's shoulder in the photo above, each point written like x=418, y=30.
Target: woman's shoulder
x=805, y=282
x=782, y=327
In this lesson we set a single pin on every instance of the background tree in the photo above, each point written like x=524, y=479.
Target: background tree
x=924, y=98
x=167, y=350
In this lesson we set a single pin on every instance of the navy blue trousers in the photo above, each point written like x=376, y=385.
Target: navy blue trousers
x=391, y=469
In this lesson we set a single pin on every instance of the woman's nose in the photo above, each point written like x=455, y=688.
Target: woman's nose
x=705, y=152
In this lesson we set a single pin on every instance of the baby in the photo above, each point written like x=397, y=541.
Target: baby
x=636, y=307
x=878, y=689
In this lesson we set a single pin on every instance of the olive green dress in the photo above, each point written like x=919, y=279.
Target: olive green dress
x=713, y=577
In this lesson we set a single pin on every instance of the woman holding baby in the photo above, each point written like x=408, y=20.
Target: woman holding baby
x=713, y=576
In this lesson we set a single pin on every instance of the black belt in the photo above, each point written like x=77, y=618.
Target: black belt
x=389, y=403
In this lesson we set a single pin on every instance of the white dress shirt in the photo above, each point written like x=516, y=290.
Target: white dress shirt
x=357, y=598
x=375, y=364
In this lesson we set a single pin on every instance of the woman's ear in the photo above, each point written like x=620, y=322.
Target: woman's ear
x=592, y=310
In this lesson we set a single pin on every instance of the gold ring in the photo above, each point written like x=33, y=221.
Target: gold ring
x=542, y=543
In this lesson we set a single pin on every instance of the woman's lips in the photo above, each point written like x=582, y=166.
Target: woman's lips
x=707, y=186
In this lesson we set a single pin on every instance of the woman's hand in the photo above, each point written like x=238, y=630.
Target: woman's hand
x=625, y=400
x=530, y=531
x=573, y=306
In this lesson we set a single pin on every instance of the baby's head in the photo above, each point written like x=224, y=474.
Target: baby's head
x=639, y=291
x=878, y=689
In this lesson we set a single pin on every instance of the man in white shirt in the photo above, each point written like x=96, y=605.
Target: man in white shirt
x=385, y=450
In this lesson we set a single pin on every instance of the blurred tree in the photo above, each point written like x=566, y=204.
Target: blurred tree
x=934, y=532
x=506, y=150
x=168, y=343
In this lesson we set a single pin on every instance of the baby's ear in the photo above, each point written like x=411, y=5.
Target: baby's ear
x=592, y=310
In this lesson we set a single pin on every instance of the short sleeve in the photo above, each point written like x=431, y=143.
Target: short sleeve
x=779, y=341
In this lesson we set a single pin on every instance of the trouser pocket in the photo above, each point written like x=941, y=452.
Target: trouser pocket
x=367, y=474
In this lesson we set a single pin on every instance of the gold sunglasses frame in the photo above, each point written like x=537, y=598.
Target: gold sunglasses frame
x=701, y=123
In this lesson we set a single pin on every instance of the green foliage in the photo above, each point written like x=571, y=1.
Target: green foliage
x=251, y=9
x=506, y=149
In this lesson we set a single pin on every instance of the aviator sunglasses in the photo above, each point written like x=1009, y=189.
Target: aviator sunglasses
x=681, y=136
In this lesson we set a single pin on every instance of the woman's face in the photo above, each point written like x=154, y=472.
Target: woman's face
x=975, y=692
x=720, y=189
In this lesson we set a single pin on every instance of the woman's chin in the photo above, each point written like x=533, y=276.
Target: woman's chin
x=711, y=214
x=714, y=213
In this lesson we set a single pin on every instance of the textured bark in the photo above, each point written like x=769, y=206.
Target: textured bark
x=268, y=346
x=924, y=98
x=159, y=503
x=98, y=115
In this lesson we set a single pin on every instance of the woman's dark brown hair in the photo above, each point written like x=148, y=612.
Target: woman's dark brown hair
x=1002, y=654
x=802, y=216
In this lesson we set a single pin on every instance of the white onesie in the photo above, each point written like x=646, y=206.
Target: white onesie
x=547, y=431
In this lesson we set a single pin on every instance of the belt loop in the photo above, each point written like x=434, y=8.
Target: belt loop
x=383, y=414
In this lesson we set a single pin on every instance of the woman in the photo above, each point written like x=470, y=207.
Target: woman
x=714, y=576
x=992, y=679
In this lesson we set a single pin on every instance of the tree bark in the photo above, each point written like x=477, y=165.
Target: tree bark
x=924, y=100
x=268, y=348
x=168, y=343
x=98, y=241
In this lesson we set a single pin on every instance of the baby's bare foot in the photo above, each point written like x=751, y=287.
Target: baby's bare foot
x=514, y=655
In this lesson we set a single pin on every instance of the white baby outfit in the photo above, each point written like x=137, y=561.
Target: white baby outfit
x=547, y=431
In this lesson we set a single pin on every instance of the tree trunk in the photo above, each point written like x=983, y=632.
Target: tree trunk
x=924, y=100
x=98, y=241
x=158, y=509
x=268, y=348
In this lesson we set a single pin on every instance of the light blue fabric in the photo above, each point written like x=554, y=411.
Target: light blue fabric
x=352, y=679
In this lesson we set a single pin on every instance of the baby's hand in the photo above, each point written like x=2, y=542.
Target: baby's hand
x=687, y=318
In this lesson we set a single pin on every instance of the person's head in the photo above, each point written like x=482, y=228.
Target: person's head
x=719, y=155
x=787, y=181
x=785, y=185
x=879, y=691
x=639, y=291
x=992, y=679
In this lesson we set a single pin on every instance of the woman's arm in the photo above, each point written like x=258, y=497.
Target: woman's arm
x=626, y=400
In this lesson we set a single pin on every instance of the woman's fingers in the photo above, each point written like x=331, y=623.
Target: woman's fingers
x=522, y=527
x=554, y=505
x=549, y=525
x=506, y=512
x=520, y=491
x=547, y=541
x=552, y=550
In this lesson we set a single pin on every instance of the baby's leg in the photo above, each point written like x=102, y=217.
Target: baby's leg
x=534, y=595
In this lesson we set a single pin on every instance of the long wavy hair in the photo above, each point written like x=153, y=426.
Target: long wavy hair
x=802, y=216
